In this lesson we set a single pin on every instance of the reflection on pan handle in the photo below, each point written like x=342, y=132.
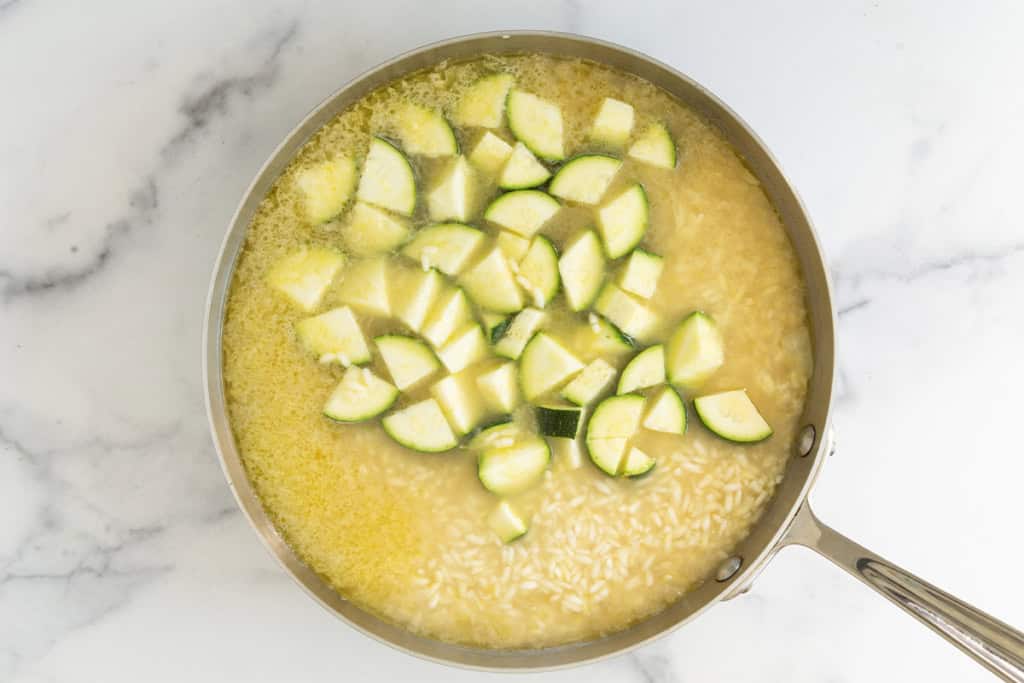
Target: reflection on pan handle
x=995, y=645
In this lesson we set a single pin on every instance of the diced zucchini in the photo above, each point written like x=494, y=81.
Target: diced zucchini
x=694, y=351
x=589, y=384
x=500, y=388
x=451, y=313
x=445, y=246
x=582, y=270
x=491, y=285
x=425, y=132
x=421, y=427
x=364, y=286
x=667, y=413
x=483, y=104
x=467, y=346
x=623, y=221
x=460, y=402
x=326, y=187
x=513, y=246
x=334, y=336
x=522, y=211
x=360, y=396
x=387, y=180
x=646, y=369
x=414, y=293
x=452, y=198
x=613, y=123
x=490, y=153
x=305, y=275
x=538, y=271
x=600, y=337
x=523, y=327
x=626, y=313
x=544, y=364
x=614, y=421
x=408, y=360
x=655, y=147
x=522, y=170
x=732, y=416
x=637, y=463
x=499, y=435
x=369, y=231
x=553, y=420
x=513, y=469
x=566, y=450
x=507, y=523
x=495, y=325
x=641, y=273
x=536, y=123
x=585, y=179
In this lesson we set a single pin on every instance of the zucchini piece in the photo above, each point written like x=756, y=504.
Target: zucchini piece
x=637, y=463
x=495, y=325
x=467, y=346
x=522, y=170
x=582, y=270
x=388, y=180
x=607, y=454
x=360, y=396
x=613, y=123
x=536, y=123
x=421, y=427
x=491, y=286
x=641, y=273
x=585, y=178
x=589, y=384
x=483, y=103
x=512, y=245
x=460, y=402
x=732, y=416
x=522, y=211
x=655, y=147
x=452, y=197
x=499, y=435
x=507, y=523
x=370, y=231
x=490, y=153
x=522, y=329
x=513, y=469
x=408, y=360
x=364, y=286
x=614, y=421
x=414, y=293
x=425, y=132
x=305, y=275
x=561, y=421
x=567, y=450
x=626, y=313
x=500, y=388
x=667, y=413
x=623, y=221
x=538, y=271
x=445, y=246
x=602, y=337
x=646, y=369
x=326, y=188
x=694, y=351
x=544, y=364
x=451, y=313
x=334, y=336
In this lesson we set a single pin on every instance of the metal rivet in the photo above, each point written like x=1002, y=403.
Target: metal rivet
x=805, y=442
x=728, y=569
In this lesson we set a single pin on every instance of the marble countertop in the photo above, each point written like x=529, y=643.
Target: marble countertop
x=128, y=132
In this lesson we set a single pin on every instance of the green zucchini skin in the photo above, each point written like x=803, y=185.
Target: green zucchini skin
x=561, y=421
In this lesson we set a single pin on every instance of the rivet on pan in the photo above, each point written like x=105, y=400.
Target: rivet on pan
x=727, y=569
x=805, y=442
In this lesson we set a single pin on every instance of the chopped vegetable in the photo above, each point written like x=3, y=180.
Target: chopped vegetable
x=623, y=221
x=507, y=523
x=512, y=469
x=666, y=413
x=626, y=313
x=544, y=364
x=538, y=271
x=490, y=153
x=522, y=211
x=523, y=327
x=537, y=123
x=452, y=312
x=491, y=285
x=305, y=275
x=593, y=381
x=641, y=273
x=647, y=369
x=364, y=286
x=483, y=104
x=445, y=246
x=694, y=351
x=655, y=147
x=387, y=180
x=732, y=416
x=613, y=123
x=637, y=463
x=582, y=270
x=370, y=231
x=500, y=388
x=334, y=336
x=408, y=360
x=421, y=427
x=553, y=420
x=522, y=170
x=585, y=178
x=360, y=396
x=460, y=402
x=425, y=132
x=465, y=348
x=452, y=197
x=326, y=188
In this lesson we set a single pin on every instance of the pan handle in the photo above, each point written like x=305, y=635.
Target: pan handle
x=992, y=643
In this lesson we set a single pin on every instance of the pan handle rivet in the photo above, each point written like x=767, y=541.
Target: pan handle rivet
x=728, y=569
x=805, y=442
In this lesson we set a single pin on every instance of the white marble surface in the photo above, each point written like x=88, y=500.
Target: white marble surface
x=128, y=131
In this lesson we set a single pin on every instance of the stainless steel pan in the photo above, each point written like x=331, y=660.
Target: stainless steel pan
x=788, y=519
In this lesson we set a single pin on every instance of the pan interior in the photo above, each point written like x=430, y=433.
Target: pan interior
x=752, y=549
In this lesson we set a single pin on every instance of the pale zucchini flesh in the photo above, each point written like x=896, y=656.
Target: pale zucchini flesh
x=460, y=402
x=452, y=198
x=334, y=336
x=425, y=132
x=594, y=380
x=500, y=388
x=388, y=180
x=360, y=395
x=491, y=285
x=637, y=463
x=513, y=469
x=369, y=231
x=582, y=268
x=732, y=416
x=544, y=364
x=483, y=103
x=507, y=523
x=666, y=413
x=522, y=211
x=409, y=361
x=364, y=286
x=694, y=352
x=537, y=123
x=626, y=313
x=612, y=424
x=526, y=323
x=565, y=452
x=305, y=275
x=623, y=221
x=641, y=272
x=613, y=123
x=490, y=154
x=538, y=271
x=598, y=337
x=655, y=147
x=466, y=347
x=452, y=313
x=326, y=188
x=522, y=170
x=513, y=246
x=414, y=293
x=646, y=369
x=446, y=246
x=421, y=427
x=585, y=178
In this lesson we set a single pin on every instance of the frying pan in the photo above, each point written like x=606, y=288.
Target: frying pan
x=787, y=520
